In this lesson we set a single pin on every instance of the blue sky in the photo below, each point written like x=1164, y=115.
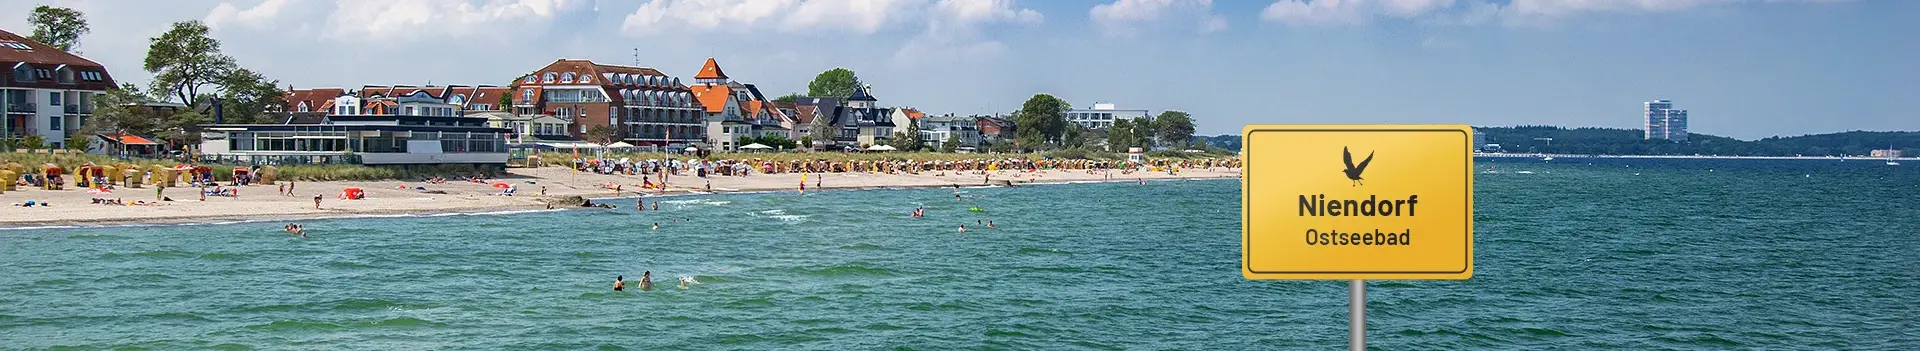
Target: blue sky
x=1746, y=69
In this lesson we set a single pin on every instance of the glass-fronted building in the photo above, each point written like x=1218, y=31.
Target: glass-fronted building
x=364, y=139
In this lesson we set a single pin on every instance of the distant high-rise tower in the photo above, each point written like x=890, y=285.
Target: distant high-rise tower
x=1664, y=122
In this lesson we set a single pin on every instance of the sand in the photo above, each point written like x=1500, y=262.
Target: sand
x=74, y=206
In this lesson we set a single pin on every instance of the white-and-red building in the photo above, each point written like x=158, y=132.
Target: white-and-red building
x=45, y=91
x=647, y=108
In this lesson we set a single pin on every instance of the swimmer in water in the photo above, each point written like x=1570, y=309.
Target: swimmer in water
x=656, y=205
x=646, y=280
x=642, y=204
x=919, y=212
x=963, y=228
x=989, y=224
x=620, y=283
x=656, y=226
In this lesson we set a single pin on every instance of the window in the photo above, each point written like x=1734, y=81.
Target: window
x=526, y=96
x=54, y=99
x=586, y=78
x=54, y=121
x=66, y=76
x=548, y=78
x=22, y=73
x=530, y=79
x=44, y=73
x=566, y=77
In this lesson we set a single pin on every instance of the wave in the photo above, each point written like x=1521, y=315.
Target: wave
x=846, y=270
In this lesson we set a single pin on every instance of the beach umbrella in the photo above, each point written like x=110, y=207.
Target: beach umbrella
x=881, y=148
x=756, y=146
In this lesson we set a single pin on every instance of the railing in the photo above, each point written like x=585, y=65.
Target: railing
x=86, y=108
x=22, y=107
x=279, y=160
x=72, y=108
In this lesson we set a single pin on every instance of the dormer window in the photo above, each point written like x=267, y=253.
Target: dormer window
x=530, y=79
x=22, y=73
x=566, y=77
x=549, y=77
x=586, y=78
x=65, y=74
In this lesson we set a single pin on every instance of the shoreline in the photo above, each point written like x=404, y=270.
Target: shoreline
x=71, y=208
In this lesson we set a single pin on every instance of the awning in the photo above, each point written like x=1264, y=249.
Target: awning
x=755, y=146
x=620, y=145
x=128, y=139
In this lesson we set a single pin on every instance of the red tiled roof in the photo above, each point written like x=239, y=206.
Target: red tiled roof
x=317, y=99
x=710, y=71
x=713, y=97
x=42, y=56
x=805, y=113
x=914, y=114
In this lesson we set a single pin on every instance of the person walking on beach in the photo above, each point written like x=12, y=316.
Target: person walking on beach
x=619, y=283
x=289, y=188
x=316, y=201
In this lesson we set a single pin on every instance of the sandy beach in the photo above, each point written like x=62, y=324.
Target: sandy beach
x=75, y=207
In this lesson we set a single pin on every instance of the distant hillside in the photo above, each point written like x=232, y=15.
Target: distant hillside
x=1611, y=141
x=1614, y=141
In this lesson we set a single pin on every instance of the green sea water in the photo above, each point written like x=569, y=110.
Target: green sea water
x=1614, y=254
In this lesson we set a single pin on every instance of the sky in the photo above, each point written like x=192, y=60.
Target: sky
x=1743, y=68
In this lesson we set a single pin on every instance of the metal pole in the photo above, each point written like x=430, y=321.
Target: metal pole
x=1357, y=315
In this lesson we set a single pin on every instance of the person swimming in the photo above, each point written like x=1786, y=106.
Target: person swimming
x=684, y=280
x=656, y=226
x=620, y=283
x=296, y=230
x=646, y=280
x=919, y=212
x=989, y=224
x=963, y=228
x=656, y=205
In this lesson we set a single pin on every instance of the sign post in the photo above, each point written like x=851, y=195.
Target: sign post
x=1357, y=203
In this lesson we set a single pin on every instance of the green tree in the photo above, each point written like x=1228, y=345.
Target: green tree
x=184, y=61
x=837, y=82
x=600, y=134
x=248, y=97
x=58, y=27
x=1174, y=129
x=952, y=143
x=1075, y=136
x=790, y=97
x=1143, y=132
x=1042, y=119
x=806, y=140
x=33, y=142
x=908, y=139
x=182, y=128
x=81, y=140
x=822, y=130
x=123, y=111
x=1120, y=136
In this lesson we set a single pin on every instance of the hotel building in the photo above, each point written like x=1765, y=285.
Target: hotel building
x=44, y=91
x=647, y=108
x=1664, y=122
x=1101, y=116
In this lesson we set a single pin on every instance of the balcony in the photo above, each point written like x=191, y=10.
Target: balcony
x=26, y=107
x=72, y=108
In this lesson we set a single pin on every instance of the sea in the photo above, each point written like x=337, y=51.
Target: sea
x=1573, y=254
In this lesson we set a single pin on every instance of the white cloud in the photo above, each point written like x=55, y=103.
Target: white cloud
x=1353, y=12
x=259, y=15
x=857, y=16
x=979, y=11
x=952, y=35
x=404, y=20
x=1124, y=16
